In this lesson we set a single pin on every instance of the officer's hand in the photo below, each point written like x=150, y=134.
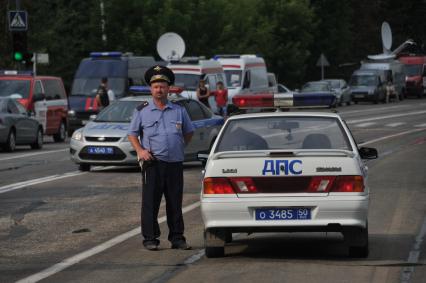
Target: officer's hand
x=144, y=155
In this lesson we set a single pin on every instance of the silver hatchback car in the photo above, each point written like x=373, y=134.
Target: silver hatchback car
x=103, y=141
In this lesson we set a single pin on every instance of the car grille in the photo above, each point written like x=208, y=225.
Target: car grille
x=118, y=155
x=102, y=139
x=359, y=92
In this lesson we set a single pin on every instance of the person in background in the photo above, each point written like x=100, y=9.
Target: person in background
x=159, y=131
x=203, y=93
x=221, y=97
x=104, y=95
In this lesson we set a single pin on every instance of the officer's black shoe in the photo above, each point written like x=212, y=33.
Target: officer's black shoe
x=181, y=245
x=151, y=246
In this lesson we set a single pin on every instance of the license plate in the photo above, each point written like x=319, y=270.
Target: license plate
x=359, y=96
x=283, y=213
x=100, y=150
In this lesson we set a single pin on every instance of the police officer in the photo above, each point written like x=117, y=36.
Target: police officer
x=164, y=129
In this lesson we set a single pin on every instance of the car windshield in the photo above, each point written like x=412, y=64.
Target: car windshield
x=363, y=80
x=233, y=78
x=89, y=86
x=187, y=81
x=283, y=133
x=19, y=88
x=315, y=87
x=118, y=111
x=413, y=70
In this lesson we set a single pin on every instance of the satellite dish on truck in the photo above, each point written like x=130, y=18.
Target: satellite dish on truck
x=387, y=44
x=170, y=46
x=386, y=38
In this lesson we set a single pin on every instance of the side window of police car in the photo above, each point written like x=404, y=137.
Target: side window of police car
x=194, y=110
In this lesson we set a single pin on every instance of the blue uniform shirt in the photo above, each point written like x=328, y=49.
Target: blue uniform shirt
x=162, y=130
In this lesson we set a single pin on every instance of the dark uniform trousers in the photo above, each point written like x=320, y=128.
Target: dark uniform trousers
x=163, y=178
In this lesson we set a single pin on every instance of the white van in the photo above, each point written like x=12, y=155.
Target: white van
x=245, y=74
x=188, y=72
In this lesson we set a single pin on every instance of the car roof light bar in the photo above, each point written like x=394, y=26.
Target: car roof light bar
x=111, y=54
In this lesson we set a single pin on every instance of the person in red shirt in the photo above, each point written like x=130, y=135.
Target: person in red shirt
x=221, y=97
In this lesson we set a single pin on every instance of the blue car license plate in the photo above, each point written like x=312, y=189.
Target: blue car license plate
x=302, y=213
x=100, y=150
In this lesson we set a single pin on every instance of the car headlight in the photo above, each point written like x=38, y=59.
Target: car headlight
x=125, y=139
x=71, y=113
x=77, y=135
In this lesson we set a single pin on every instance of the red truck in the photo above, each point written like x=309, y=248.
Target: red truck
x=415, y=70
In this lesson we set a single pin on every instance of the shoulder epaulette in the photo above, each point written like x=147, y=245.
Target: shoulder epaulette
x=142, y=105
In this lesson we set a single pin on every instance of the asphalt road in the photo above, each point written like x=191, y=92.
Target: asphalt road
x=61, y=225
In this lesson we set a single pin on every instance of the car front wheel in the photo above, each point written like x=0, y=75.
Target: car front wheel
x=38, y=143
x=61, y=135
x=11, y=141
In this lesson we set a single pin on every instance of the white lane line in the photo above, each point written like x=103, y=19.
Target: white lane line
x=397, y=124
x=95, y=250
x=33, y=154
x=420, y=126
x=385, y=117
x=364, y=125
x=413, y=256
x=20, y=185
x=391, y=136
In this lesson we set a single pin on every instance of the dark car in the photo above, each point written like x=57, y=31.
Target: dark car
x=318, y=93
x=17, y=127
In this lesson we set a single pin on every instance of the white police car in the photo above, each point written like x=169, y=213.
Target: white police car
x=285, y=171
x=103, y=141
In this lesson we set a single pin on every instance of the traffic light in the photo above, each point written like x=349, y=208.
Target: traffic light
x=19, y=46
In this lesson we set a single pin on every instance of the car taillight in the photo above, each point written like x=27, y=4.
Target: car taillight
x=348, y=184
x=342, y=184
x=217, y=186
x=244, y=185
x=321, y=184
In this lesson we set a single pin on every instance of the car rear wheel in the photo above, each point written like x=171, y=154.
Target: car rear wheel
x=84, y=167
x=214, y=242
x=61, y=135
x=11, y=141
x=38, y=143
x=358, y=241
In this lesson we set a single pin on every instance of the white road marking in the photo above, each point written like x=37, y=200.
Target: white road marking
x=20, y=185
x=385, y=117
x=364, y=125
x=420, y=126
x=95, y=250
x=396, y=124
x=391, y=136
x=414, y=255
x=33, y=154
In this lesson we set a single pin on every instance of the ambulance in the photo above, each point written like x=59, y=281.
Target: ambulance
x=415, y=74
x=188, y=72
x=245, y=74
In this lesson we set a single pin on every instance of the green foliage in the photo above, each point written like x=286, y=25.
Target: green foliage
x=290, y=34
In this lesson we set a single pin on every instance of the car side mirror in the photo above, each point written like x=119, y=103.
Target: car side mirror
x=203, y=156
x=368, y=153
x=38, y=97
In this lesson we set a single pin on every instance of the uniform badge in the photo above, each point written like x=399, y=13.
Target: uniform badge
x=157, y=69
x=178, y=126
